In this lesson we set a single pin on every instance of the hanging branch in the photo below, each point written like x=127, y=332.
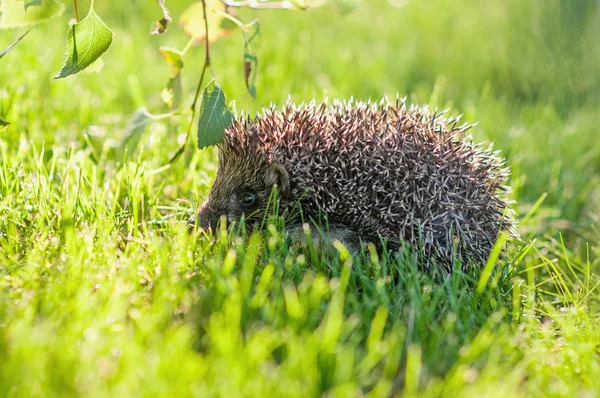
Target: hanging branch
x=253, y=4
x=283, y=5
x=198, y=88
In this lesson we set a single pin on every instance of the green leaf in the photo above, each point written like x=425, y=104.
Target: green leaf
x=133, y=133
x=135, y=127
x=32, y=3
x=86, y=41
x=18, y=13
x=214, y=116
x=3, y=53
x=3, y=123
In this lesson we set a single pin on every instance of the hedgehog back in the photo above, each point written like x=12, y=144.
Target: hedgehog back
x=398, y=172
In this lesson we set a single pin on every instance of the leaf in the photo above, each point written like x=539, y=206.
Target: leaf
x=17, y=13
x=135, y=127
x=161, y=24
x=3, y=53
x=343, y=7
x=96, y=67
x=214, y=116
x=32, y=3
x=192, y=21
x=251, y=59
x=173, y=58
x=227, y=23
x=86, y=41
x=171, y=94
x=3, y=123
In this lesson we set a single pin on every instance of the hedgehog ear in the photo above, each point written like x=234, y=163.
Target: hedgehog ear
x=277, y=174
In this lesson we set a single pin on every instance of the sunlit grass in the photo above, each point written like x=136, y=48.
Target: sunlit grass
x=103, y=291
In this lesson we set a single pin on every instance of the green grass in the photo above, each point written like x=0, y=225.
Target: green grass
x=104, y=293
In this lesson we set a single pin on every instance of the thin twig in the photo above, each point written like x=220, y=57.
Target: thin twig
x=192, y=108
x=243, y=27
x=198, y=88
x=189, y=45
x=76, y=10
x=206, y=55
x=169, y=115
x=282, y=5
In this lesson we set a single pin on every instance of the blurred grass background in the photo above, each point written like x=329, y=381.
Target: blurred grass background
x=527, y=72
x=99, y=296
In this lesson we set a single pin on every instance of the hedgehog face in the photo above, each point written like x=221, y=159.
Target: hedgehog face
x=242, y=186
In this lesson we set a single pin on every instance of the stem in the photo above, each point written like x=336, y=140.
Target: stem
x=243, y=27
x=207, y=53
x=189, y=45
x=170, y=114
x=283, y=5
x=198, y=88
x=77, y=10
x=192, y=108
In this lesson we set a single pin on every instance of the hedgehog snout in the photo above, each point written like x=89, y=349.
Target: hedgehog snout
x=206, y=218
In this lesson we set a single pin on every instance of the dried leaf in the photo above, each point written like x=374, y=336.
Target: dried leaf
x=161, y=24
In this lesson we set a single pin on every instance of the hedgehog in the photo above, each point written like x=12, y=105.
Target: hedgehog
x=380, y=172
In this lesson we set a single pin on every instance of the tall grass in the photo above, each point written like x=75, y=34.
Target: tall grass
x=104, y=292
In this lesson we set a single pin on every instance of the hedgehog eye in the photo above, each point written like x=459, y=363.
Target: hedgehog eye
x=248, y=199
